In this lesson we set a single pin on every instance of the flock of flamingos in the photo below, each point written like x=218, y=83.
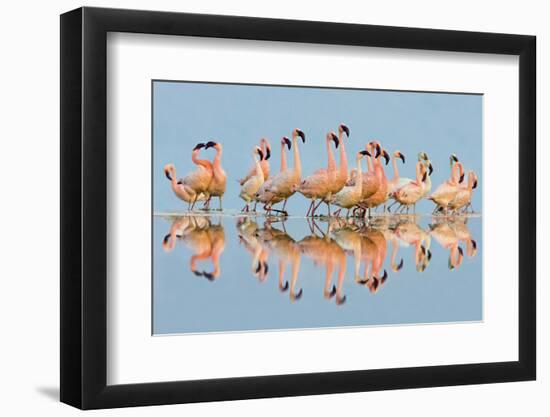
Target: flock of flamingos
x=355, y=190
x=366, y=243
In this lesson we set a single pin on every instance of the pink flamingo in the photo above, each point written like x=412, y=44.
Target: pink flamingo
x=409, y=194
x=284, y=184
x=381, y=195
x=463, y=198
x=216, y=187
x=268, y=198
x=197, y=182
x=447, y=191
x=264, y=163
x=254, y=182
x=317, y=185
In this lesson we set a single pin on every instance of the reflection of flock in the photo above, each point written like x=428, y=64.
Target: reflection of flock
x=327, y=246
x=356, y=190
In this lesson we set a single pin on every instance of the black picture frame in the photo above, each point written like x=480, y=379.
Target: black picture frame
x=84, y=207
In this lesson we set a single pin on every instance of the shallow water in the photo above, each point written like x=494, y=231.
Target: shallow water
x=220, y=273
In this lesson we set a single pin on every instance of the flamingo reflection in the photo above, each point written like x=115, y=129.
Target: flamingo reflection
x=206, y=240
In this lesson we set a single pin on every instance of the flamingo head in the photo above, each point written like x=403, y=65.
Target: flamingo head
x=297, y=132
x=258, y=150
x=343, y=129
x=265, y=145
x=212, y=144
x=286, y=141
x=398, y=154
x=386, y=156
x=332, y=136
x=169, y=170
x=361, y=154
x=453, y=159
x=472, y=179
x=374, y=144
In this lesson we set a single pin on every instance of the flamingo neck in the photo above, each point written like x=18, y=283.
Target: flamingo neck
x=454, y=173
x=370, y=166
x=201, y=162
x=395, y=169
x=343, y=156
x=283, y=158
x=296, y=152
x=419, y=173
x=358, y=181
x=331, y=162
x=259, y=171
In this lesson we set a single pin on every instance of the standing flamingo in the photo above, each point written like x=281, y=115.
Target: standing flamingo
x=267, y=197
x=463, y=198
x=350, y=195
x=266, y=151
x=219, y=177
x=447, y=191
x=177, y=186
x=410, y=193
x=427, y=185
x=198, y=181
x=317, y=185
x=397, y=181
x=284, y=184
x=381, y=195
x=253, y=184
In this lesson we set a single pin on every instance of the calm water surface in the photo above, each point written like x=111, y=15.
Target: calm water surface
x=219, y=273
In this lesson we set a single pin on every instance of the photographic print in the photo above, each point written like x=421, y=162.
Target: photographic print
x=302, y=207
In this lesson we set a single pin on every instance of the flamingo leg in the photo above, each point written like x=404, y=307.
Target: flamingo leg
x=310, y=207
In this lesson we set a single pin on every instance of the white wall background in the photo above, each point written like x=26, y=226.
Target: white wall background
x=29, y=228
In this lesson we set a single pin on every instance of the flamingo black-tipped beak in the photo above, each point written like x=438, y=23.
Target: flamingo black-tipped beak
x=335, y=140
x=424, y=177
x=180, y=182
x=170, y=177
x=345, y=129
x=402, y=157
x=400, y=265
x=298, y=295
x=210, y=144
x=199, y=146
x=378, y=151
x=384, y=277
x=302, y=135
x=288, y=142
x=430, y=169
x=461, y=179
x=460, y=251
x=267, y=153
x=209, y=276
x=474, y=244
x=165, y=240
x=386, y=156
x=365, y=153
x=197, y=273
x=258, y=268
x=454, y=158
x=475, y=184
x=284, y=287
x=260, y=153
x=266, y=268
x=340, y=301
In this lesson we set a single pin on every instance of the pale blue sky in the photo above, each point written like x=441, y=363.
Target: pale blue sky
x=239, y=115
